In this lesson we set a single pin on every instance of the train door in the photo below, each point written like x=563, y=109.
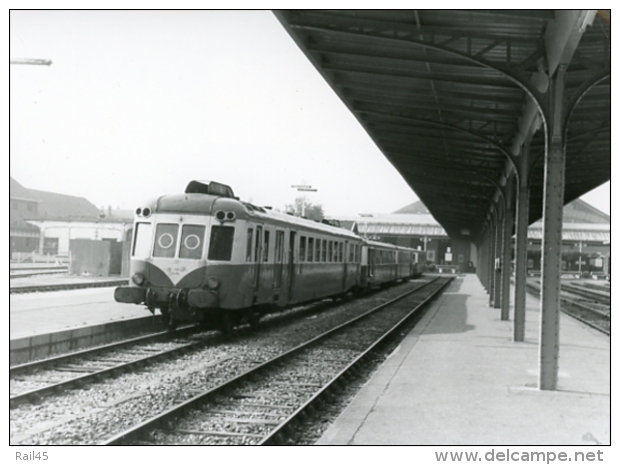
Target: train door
x=291, y=265
x=257, y=257
x=278, y=261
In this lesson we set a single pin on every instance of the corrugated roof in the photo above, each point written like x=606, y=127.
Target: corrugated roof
x=446, y=96
x=400, y=224
x=574, y=234
x=401, y=229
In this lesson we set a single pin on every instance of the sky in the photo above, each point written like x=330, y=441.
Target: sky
x=138, y=103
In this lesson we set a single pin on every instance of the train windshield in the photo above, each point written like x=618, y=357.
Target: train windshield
x=165, y=240
x=142, y=240
x=191, y=241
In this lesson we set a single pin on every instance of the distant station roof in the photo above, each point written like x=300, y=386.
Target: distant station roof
x=52, y=205
x=581, y=222
x=401, y=224
x=19, y=192
x=451, y=96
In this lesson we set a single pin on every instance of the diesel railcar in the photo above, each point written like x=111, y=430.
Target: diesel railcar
x=205, y=256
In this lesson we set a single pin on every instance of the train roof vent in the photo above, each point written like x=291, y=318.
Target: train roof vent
x=253, y=208
x=209, y=187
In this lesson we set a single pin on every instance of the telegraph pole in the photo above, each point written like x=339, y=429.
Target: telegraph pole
x=303, y=188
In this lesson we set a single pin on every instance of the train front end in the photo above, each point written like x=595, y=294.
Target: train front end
x=172, y=242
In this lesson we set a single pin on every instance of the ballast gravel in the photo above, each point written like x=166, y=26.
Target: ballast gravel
x=100, y=411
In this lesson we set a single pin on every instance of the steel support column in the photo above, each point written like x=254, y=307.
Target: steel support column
x=523, y=203
x=481, y=263
x=484, y=262
x=497, y=258
x=491, y=259
x=509, y=218
x=552, y=239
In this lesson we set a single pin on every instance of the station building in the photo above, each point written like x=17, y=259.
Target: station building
x=47, y=225
x=586, y=238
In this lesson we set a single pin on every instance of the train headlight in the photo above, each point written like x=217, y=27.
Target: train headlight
x=146, y=212
x=212, y=283
x=138, y=279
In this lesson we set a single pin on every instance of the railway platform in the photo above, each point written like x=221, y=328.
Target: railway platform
x=46, y=282
x=458, y=379
x=77, y=302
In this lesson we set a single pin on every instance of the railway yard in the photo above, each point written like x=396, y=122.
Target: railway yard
x=284, y=383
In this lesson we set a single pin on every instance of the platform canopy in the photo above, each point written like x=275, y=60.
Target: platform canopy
x=451, y=97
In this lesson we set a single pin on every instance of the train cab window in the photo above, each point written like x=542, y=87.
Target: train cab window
x=310, y=249
x=266, y=247
x=248, y=246
x=221, y=243
x=165, y=240
x=302, y=249
x=192, y=237
x=351, y=253
x=142, y=240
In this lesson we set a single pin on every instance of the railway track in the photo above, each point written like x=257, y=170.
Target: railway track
x=593, y=311
x=34, y=380
x=264, y=404
x=598, y=296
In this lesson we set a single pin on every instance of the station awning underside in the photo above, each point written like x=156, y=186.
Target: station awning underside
x=447, y=96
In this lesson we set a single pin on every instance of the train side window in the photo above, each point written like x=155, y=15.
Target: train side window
x=302, y=248
x=165, y=240
x=317, y=251
x=266, y=247
x=248, y=248
x=324, y=253
x=351, y=252
x=341, y=252
x=221, y=243
x=142, y=240
x=259, y=231
x=192, y=236
x=310, y=249
x=330, y=251
x=279, y=250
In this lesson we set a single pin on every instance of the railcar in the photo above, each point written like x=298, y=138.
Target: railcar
x=387, y=263
x=205, y=256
